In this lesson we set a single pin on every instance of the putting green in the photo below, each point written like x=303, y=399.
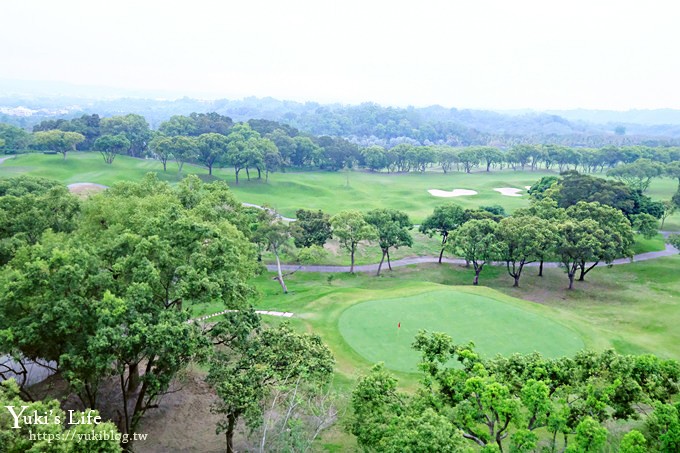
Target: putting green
x=496, y=327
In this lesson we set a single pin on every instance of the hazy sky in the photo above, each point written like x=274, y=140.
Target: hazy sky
x=499, y=54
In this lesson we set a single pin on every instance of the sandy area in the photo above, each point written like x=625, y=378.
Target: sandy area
x=509, y=191
x=453, y=193
x=527, y=187
x=86, y=188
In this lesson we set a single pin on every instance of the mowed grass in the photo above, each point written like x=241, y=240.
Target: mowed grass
x=330, y=191
x=495, y=326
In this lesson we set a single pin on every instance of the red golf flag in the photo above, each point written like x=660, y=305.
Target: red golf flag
x=399, y=326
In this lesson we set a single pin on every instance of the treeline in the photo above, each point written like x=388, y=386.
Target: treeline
x=264, y=146
x=371, y=124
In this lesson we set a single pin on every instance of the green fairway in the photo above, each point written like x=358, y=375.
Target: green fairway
x=495, y=327
x=330, y=191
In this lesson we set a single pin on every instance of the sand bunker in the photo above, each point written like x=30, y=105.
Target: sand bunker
x=85, y=188
x=453, y=193
x=527, y=187
x=509, y=191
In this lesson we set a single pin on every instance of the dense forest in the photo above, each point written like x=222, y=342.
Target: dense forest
x=368, y=123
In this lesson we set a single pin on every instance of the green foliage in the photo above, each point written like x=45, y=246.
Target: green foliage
x=646, y=225
x=249, y=366
x=350, y=228
x=392, y=230
x=134, y=127
x=663, y=426
x=311, y=228
x=476, y=241
x=590, y=437
x=57, y=140
x=633, y=442
x=444, y=220
x=111, y=145
x=50, y=437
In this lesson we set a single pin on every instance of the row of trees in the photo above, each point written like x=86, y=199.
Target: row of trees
x=100, y=292
x=303, y=150
x=506, y=401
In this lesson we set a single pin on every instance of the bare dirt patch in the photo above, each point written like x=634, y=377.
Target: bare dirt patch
x=85, y=189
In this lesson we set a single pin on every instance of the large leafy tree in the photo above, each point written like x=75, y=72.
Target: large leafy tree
x=57, y=140
x=212, y=148
x=350, y=228
x=615, y=234
x=272, y=233
x=28, y=207
x=444, y=220
x=639, y=174
x=249, y=365
x=476, y=241
x=134, y=127
x=311, y=228
x=392, y=228
x=143, y=253
x=111, y=145
x=15, y=138
x=523, y=240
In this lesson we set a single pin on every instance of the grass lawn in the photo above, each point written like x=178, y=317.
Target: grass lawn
x=496, y=325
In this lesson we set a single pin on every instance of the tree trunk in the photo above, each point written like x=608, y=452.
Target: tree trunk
x=582, y=275
x=231, y=424
x=571, y=280
x=133, y=377
x=278, y=268
x=165, y=163
x=389, y=263
x=259, y=173
x=236, y=170
x=351, y=267
x=516, y=277
x=210, y=169
x=476, y=280
x=381, y=262
x=248, y=173
x=540, y=268
x=441, y=253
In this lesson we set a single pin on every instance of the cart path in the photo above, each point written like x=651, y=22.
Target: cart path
x=668, y=251
x=281, y=314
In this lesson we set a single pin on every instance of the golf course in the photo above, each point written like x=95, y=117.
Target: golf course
x=633, y=307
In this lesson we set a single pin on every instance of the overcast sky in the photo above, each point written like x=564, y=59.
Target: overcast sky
x=497, y=54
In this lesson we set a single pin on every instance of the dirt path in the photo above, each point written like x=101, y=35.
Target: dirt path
x=2, y=159
x=668, y=251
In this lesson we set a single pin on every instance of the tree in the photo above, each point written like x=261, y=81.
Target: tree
x=663, y=426
x=350, y=227
x=178, y=125
x=241, y=150
x=669, y=209
x=490, y=156
x=183, y=149
x=162, y=147
x=134, y=127
x=579, y=242
x=56, y=140
x=469, y=158
x=646, y=225
x=142, y=253
x=311, y=228
x=374, y=157
x=523, y=240
x=247, y=369
x=15, y=138
x=212, y=148
x=546, y=209
x=639, y=174
x=590, y=437
x=50, y=437
x=476, y=242
x=273, y=234
x=633, y=442
x=674, y=240
x=29, y=206
x=615, y=234
x=392, y=231
x=444, y=220
x=111, y=145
